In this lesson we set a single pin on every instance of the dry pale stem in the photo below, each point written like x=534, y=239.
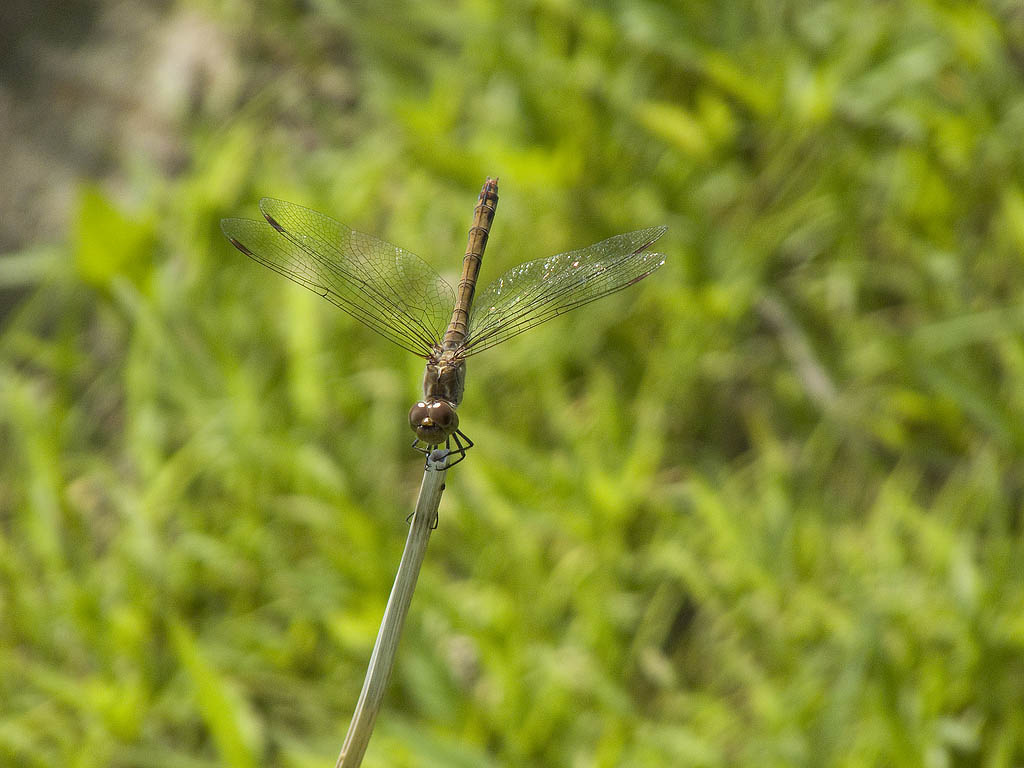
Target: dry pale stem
x=383, y=657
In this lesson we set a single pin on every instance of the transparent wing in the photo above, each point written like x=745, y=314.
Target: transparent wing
x=386, y=288
x=535, y=292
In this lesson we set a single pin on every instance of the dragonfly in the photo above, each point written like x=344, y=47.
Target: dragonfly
x=401, y=297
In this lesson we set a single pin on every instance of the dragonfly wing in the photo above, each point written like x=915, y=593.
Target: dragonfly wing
x=535, y=292
x=385, y=287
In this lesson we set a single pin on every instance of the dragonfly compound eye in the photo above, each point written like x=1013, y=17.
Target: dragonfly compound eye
x=433, y=421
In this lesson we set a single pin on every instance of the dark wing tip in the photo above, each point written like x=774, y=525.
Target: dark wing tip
x=241, y=247
x=654, y=267
x=273, y=222
x=655, y=234
x=269, y=203
x=229, y=227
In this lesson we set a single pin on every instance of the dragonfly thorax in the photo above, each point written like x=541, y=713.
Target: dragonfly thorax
x=433, y=418
x=445, y=378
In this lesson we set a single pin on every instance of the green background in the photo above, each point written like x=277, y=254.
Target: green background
x=763, y=508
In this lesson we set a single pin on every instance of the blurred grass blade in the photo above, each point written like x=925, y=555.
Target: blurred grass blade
x=224, y=713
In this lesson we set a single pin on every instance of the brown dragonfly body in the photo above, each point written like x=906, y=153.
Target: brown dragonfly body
x=402, y=298
x=433, y=418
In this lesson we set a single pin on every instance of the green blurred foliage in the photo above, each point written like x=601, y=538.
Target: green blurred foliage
x=762, y=509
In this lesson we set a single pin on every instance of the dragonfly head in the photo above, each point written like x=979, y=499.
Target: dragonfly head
x=433, y=420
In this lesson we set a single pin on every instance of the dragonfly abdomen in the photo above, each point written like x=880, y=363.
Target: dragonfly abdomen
x=483, y=215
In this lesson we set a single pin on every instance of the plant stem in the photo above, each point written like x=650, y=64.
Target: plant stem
x=383, y=657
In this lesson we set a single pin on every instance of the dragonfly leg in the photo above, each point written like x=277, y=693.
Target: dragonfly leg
x=433, y=525
x=436, y=456
x=433, y=453
x=459, y=450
